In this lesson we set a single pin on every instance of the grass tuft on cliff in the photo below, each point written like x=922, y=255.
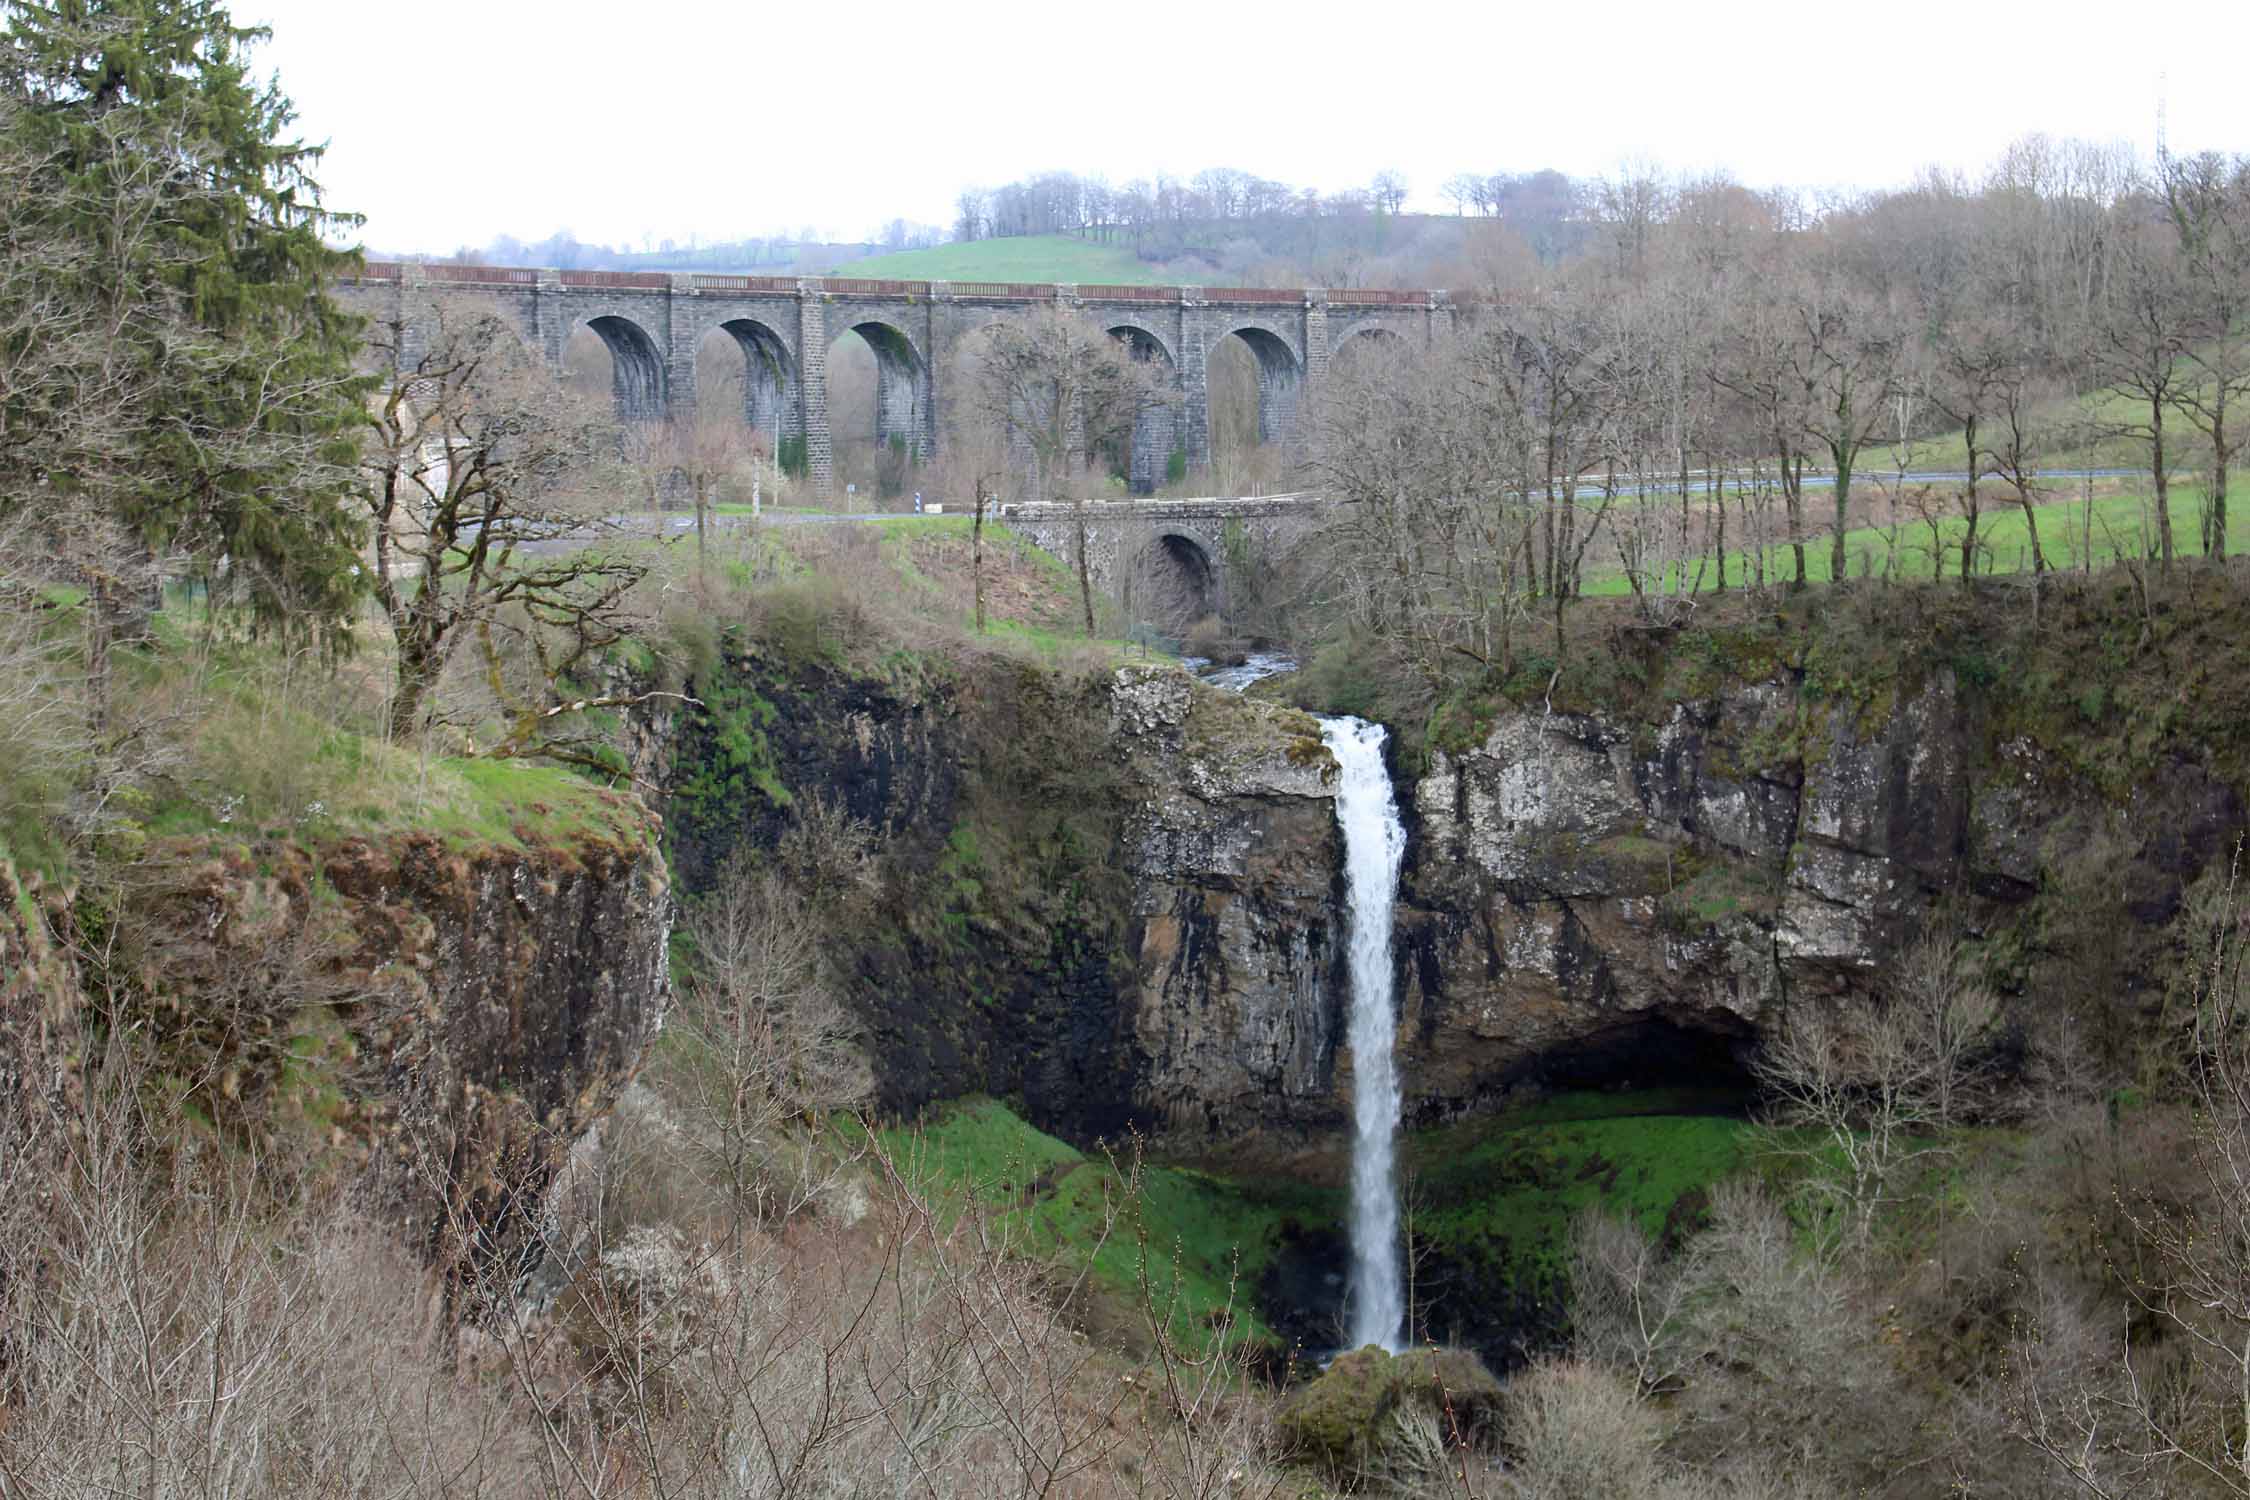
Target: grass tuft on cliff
x=214, y=735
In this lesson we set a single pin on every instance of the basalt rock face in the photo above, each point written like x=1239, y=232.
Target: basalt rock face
x=1236, y=861
x=433, y=1020
x=1110, y=898
x=1601, y=897
x=506, y=998
x=1115, y=899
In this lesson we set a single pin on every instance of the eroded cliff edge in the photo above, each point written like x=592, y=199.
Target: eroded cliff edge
x=426, y=1019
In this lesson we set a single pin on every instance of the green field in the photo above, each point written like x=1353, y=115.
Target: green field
x=1050, y=257
x=1914, y=550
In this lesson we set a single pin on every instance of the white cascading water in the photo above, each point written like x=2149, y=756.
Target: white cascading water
x=1374, y=842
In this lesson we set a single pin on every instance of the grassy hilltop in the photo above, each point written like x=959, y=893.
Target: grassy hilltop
x=1050, y=257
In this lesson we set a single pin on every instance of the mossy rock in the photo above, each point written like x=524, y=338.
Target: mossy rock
x=1341, y=1420
x=1455, y=1384
x=1337, y=1420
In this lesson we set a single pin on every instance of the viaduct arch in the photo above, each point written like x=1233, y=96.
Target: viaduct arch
x=653, y=323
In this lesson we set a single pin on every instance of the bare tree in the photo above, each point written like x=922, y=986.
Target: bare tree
x=1873, y=1087
x=482, y=487
x=1847, y=359
x=1631, y=1307
x=2136, y=341
x=167, y=1334
x=1389, y=190
x=770, y=1041
x=2209, y=197
x=709, y=457
x=1057, y=384
x=2164, y=1413
x=973, y=469
x=1760, y=364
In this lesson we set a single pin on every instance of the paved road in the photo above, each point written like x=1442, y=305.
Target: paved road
x=674, y=524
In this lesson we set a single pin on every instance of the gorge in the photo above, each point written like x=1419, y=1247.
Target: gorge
x=1102, y=929
x=1116, y=900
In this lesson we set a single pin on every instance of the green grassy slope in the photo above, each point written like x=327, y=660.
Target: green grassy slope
x=1183, y=1243
x=1051, y=257
x=1497, y=1194
x=1502, y=1192
x=2121, y=525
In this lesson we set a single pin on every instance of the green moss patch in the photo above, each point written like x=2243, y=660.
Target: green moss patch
x=1166, y=1241
x=1498, y=1196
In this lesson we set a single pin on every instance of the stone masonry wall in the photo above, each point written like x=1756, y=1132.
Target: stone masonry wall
x=654, y=324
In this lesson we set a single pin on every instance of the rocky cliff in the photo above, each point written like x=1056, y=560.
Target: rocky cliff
x=1236, y=1004
x=1629, y=888
x=1114, y=897
x=1108, y=895
x=432, y=1018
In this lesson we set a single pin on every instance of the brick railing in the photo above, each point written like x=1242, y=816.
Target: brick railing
x=1003, y=291
x=1363, y=296
x=639, y=281
x=483, y=275
x=1129, y=293
x=1268, y=294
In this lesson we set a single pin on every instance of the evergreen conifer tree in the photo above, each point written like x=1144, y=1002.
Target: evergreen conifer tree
x=183, y=218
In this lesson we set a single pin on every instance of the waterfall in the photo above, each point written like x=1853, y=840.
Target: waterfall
x=1374, y=841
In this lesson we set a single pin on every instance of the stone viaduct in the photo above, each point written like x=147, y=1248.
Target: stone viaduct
x=654, y=324
x=1190, y=544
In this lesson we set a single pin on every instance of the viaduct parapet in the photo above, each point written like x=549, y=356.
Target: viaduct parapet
x=654, y=323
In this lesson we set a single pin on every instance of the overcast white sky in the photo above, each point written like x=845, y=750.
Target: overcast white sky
x=451, y=121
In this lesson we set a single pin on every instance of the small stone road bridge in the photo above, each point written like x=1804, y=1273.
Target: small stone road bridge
x=655, y=323
x=1181, y=549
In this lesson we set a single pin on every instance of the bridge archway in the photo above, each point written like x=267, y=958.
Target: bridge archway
x=1364, y=344
x=1170, y=581
x=1280, y=376
x=636, y=366
x=1148, y=454
x=772, y=399
x=1252, y=377
x=902, y=386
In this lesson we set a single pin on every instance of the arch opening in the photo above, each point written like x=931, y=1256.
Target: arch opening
x=1279, y=377
x=878, y=408
x=1146, y=459
x=1253, y=380
x=636, y=369
x=1363, y=349
x=745, y=366
x=1172, y=585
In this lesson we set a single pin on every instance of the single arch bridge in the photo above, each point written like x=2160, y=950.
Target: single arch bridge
x=653, y=324
x=1191, y=545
